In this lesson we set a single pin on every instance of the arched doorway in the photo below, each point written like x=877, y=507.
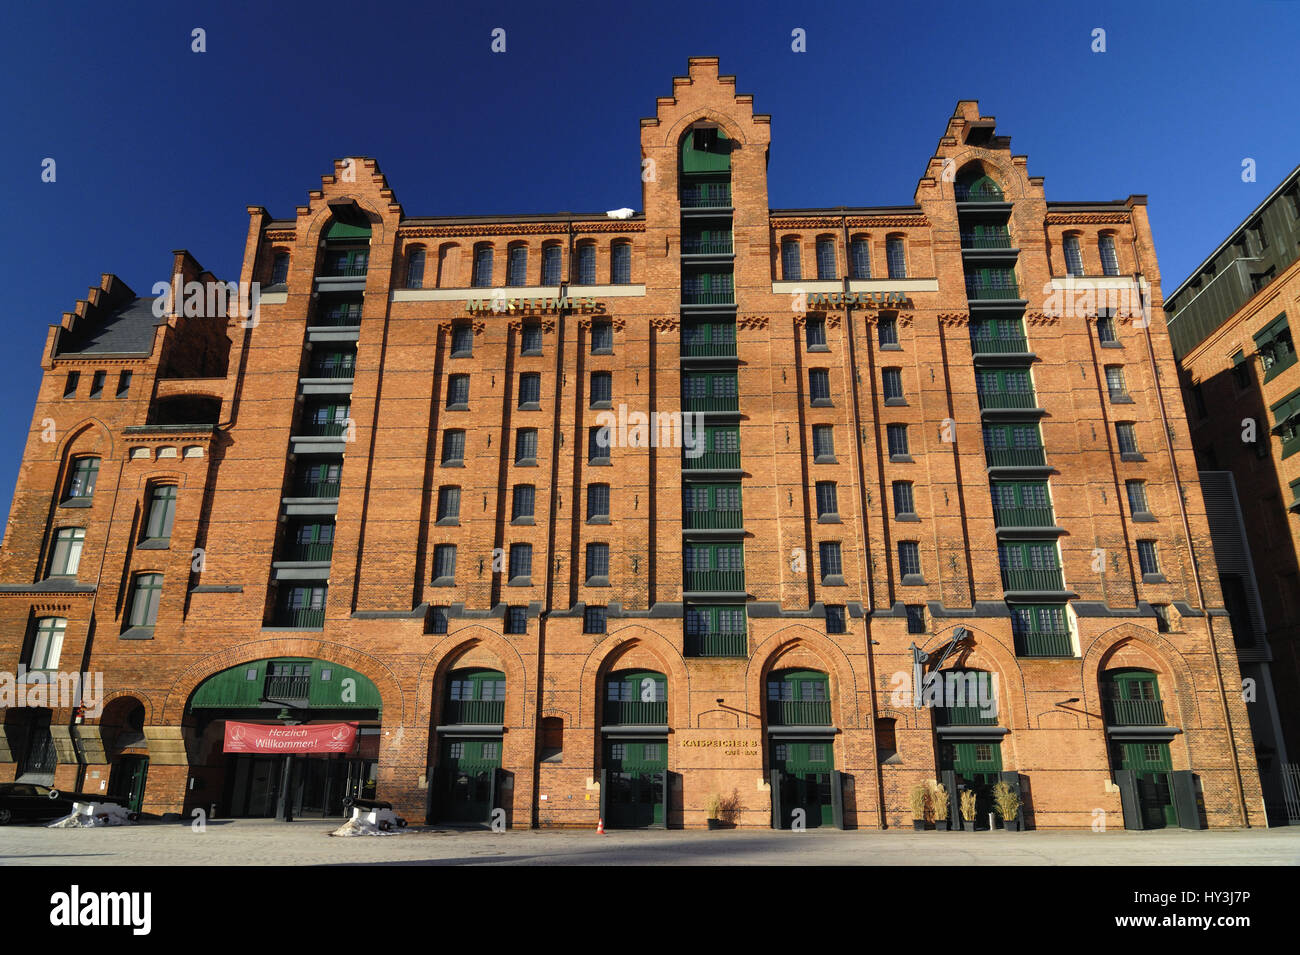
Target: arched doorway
x=634, y=765
x=127, y=749
x=801, y=749
x=1139, y=745
x=465, y=785
x=291, y=735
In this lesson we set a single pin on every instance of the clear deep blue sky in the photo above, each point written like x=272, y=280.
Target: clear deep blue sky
x=159, y=148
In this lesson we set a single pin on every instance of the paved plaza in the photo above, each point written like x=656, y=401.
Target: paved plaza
x=267, y=842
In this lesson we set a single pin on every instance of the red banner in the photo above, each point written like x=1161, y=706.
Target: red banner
x=308, y=738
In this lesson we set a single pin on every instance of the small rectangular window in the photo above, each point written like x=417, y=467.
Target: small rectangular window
x=887, y=331
x=530, y=390
x=815, y=332
x=462, y=341
x=1137, y=498
x=831, y=565
x=449, y=505
x=1115, y=384
x=526, y=446
x=162, y=512
x=909, y=559
x=145, y=599
x=597, y=502
x=824, y=443
x=827, y=504
x=516, y=620
x=1127, y=437
x=593, y=620
x=895, y=257
x=598, y=442
x=597, y=562
x=1106, y=330
x=602, y=338
x=522, y=505
x=530, y=339
x=438, y=619
x=620, y=267
x=453, y=448
x=123, y=384
x=458, y=393
x=893, y=383
x=819, y=386
x=444, y=564
x=97, y=384
x=70, y=384
x=897, y=435
x=521, y=563
x=602, y=389
x=517, y=265
x=1147, y=558
x=916, y=618
x=835, y=619
x=904, y=506
x=552, y=269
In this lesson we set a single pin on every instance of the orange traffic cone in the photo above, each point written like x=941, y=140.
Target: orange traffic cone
x=600, y=827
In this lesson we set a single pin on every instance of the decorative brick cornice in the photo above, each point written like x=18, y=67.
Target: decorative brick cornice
x=751, y=321
x=855, y=222
x=280, y=235
x=1040, y=318
x=664, y=324
x=953, y=319
x=520, y=228
x=1087, y=218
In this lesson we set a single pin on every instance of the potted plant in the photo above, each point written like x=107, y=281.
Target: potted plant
x=968, y=810
x=1007, y=802
x=939, y=805
x=714, y=808
x=920, y=806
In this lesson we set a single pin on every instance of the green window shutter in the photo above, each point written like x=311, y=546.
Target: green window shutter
x=1271, y=330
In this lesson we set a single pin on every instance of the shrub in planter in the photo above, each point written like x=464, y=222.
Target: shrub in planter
x=714, y=808
x=939, y=807
x=968, y=810
x=920, y=805
x=1007, y=802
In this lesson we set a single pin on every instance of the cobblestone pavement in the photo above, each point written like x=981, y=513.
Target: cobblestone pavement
x=267, y=842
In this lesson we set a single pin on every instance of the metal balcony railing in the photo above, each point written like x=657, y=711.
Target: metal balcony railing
x=709, y=349
x=711, y=403
x=636, y=713
x=712, y=460
x=305, y=618
x=1015, y=457
x=730, y=581
x=325, y=320
x=692, y=296
x=1023, y=517
x=712, y=519
x=982, y=193
x=1025, y=578
x=984, y=240
x=1044, y=643
x=331, y=368
x=999, y=289
x=990, y=345
x=344, y=271
x=316, y=550
x=322, y=429
x=695, y=246
x=964, y=716
x=302, y=487
x=717, y=644
x=1134, y=712
x=1007, y=399
x=798, y=713
x=290, y=688
x=474, y=711
x=707, y=195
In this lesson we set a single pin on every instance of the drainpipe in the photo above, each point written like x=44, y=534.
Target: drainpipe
x=851, y=336
x=1187, y=534
x=74, y=731
x=549, y=598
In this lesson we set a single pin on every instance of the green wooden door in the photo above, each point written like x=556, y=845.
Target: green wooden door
x=976, y=766
x=127, y=780
x=804, y=769
x=634, y=777
x=467, y=765
x=1151, y=766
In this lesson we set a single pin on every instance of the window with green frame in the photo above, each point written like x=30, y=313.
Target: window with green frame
x=798, y=698
x=711, y=505
x=708, y=338
x=710, y=391
x=714, y=566
x=475, y=696
x=716, y=630
x=1041, y=630
x=1286, y=415
x=1131, y=697
x=1276, y=350
x=1004, y=387
x=1022, y=503
x=1008, y=330
x=706, y=149
x=721, y=448
x=636, y=697
x=1030, y=565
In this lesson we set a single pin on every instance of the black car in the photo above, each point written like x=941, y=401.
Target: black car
x=27, y=802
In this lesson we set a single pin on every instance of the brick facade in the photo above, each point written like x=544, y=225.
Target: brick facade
x=218, y=607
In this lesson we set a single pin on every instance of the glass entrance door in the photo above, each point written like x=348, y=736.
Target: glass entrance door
x=467, y=774
x=804, y=768
x=634, y=775
x=1151, y=765
x=976, y=766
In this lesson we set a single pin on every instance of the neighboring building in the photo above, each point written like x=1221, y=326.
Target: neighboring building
x=1230, y=324
x=419, y=494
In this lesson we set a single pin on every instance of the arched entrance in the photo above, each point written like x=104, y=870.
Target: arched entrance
x=287, y=735
x=634, y=773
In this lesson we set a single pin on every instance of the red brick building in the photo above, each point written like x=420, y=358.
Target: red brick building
x=421, y=491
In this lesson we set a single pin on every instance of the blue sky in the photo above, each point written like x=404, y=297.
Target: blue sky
x=160, y=148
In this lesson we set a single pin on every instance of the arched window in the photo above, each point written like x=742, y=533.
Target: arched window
x=68, y=542
x=1073, y=255
x=798, y=698
x=636, y=697
x=162, y=511
x=974, y=185
x=860, y=257
x=475, y=696
x=482, y=277
x=791, y=271
x=826, y=257
x=415, y=267
x=48, y=643
x=81, y=482
x=1109, y=259
x=964, y=698
x=517, y=264
x=1131, y=697
x=620, y=263
x=552, y=263
x=280, y=268
x=586, y=265
x=896, y=257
